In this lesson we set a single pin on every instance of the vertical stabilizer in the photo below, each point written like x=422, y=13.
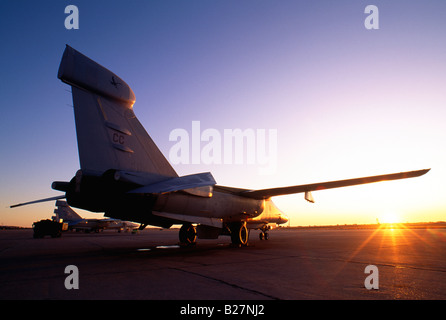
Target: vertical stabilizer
x=108, y=133
x=65, y=212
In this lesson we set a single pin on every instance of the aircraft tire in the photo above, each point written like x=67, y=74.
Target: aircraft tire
x=188, y=234
x=239, y=234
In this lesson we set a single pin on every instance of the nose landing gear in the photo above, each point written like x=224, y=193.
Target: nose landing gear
x=264, y=232
x=263, y=235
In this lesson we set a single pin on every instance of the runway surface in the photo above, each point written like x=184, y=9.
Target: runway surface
x=293, y=264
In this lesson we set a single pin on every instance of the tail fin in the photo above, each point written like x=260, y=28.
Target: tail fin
x=65, y=212
x=109, y=135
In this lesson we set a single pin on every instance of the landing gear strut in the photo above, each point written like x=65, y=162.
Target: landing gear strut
x=188, y=234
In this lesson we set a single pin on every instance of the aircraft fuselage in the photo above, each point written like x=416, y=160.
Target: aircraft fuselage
x=104, y=194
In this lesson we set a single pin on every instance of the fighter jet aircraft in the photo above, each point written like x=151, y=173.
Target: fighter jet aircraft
x=124, y=174
x=76, y=222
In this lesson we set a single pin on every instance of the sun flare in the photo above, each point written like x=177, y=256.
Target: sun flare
x=390, y=217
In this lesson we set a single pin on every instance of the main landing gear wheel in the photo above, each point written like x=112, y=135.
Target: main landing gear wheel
x=188, y=234
x=239, y=234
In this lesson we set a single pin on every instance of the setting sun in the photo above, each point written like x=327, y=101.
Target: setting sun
x=390, y=217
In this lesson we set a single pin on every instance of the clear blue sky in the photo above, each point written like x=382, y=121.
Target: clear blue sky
x=345, y=101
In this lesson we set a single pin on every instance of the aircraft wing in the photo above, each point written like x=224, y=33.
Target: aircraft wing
x=268, y=193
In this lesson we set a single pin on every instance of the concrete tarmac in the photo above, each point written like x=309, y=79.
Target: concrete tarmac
x=293, y=264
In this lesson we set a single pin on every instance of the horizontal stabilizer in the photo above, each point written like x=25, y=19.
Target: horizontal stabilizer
x=179, y=183
x=37, y=201
x=78, y=70
x=268, y=193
